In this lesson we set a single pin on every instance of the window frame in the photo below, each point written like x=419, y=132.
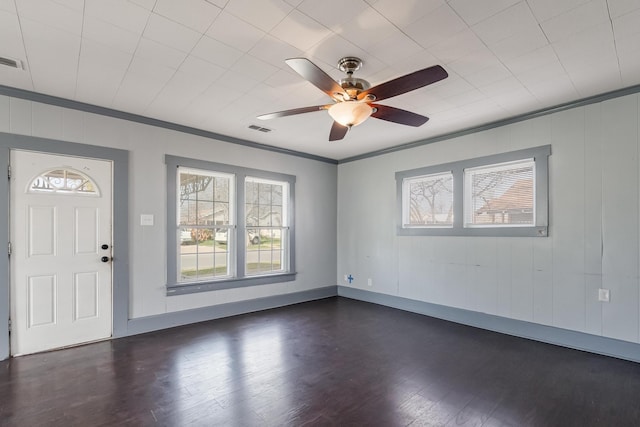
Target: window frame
x=63, y=191
x=284, y=226
x=240, y=279
x=230, y=228
x=540, y=156
x=467, y=205
x=406, y=215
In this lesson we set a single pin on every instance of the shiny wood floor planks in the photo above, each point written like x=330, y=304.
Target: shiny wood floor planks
x=329, y=362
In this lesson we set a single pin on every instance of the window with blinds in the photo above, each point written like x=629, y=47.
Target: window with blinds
x=505, y=194
x=429, y=201
x=500, y=195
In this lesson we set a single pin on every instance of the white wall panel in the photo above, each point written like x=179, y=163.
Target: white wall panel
x=411, y=276
x=567, y=213
x=620, y=316
x=481, y=261
x=503, y=273
x=620, y=187
x=569, y=300
x=455, y=285
x=485, y=282
x=593, y=232
x=620, y=217
x=481, y=251
x=593, y=189
x=543, y=281
x=47, y=121
x=20, y=116
x=566, y=177
x=522, y=278
x=72, y=125
x=4, y=113
x=593, y=307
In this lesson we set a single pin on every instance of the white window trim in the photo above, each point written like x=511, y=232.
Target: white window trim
x=541, y=188
x=240, y=279
x=286, y=253
x=231, y=227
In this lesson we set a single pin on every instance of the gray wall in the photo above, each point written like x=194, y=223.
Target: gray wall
x=594, y=228
x=315, y=199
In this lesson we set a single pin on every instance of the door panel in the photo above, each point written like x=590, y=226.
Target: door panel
x=86, y=296
x=42, y=230
x=61, y=291
x=84, y=231
x=42, y=300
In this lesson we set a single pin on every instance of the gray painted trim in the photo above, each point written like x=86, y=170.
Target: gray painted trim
x=90, y=108
x=191, y=288
x=185, y=317
x=539, y=154
x=631, y=90
x=240, y=173
x=120, y=159
x=547, y=334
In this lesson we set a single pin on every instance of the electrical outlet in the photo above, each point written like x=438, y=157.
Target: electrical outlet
x=369, y=282
x=603, y=295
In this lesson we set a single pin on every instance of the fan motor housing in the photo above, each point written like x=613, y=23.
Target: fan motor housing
x=352, y=85
x=349, y=64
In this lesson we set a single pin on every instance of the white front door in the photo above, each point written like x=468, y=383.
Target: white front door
x=60, y=230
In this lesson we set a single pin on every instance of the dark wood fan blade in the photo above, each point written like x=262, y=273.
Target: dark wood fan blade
x=406, y=83
x=315, y=75
x=337, y=131
x=293, y=112
x=396, y=115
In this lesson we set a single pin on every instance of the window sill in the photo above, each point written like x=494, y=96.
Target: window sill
x=519, y=231
x=206, y=286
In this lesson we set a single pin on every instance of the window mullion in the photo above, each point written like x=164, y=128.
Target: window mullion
x=241, y=233
x=458, y=191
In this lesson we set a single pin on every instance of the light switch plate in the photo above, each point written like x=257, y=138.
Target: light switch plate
x=603, y=295
x=146, y=219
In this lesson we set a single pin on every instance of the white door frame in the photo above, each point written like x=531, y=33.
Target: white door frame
x=120, y=159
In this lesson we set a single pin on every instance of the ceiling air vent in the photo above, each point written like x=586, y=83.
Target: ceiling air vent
x=259, y=128
x=9, y=62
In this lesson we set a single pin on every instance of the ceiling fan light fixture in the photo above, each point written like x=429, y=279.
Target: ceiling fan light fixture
x=353, y=97
x=350, y=113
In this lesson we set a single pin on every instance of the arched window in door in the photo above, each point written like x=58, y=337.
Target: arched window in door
x=63, y=181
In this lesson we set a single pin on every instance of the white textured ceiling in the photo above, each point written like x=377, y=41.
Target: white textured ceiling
x=216, y=64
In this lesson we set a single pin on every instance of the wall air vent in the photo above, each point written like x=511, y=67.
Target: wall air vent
x=259, y=128
x=10, y=62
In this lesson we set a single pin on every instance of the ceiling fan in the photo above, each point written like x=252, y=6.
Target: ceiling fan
x=353, y=97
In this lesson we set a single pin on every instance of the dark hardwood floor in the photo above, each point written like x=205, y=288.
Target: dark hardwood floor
x=329, y=362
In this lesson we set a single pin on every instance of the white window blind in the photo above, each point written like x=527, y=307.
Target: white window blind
x=500, y=195
x=428, y=201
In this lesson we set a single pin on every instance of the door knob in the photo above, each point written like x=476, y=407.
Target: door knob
x=105, y=259
x=105, y=246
